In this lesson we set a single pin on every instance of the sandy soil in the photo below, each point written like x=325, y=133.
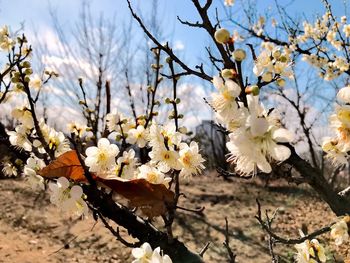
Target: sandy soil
x=33, y=231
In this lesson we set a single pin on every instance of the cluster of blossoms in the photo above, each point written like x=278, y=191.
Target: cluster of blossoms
x=68, y=198
x=25, y=136
x=337, y=147
x=9, y=169
x=340, y=230
x=330, y=35
x=273, y=63
x=310, y=252
x=31, y=169
x=259, y=26
x=145, y=254
x=6, y=42
x=254, y=132
x=168, y=152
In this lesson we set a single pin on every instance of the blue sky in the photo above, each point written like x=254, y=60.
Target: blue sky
x=35, y=15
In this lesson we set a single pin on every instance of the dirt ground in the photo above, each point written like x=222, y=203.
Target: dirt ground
x=33, y=231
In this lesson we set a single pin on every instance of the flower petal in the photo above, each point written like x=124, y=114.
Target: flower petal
x=282, y=135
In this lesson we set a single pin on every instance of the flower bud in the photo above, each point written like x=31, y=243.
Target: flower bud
x=222, y=36
x=18, y=162
x=19, y=87
x=228, y=73
x=167, y=101
x=36, y=143
x=281, y=82
x=254, y=90
x=183, y=130
x=283, y=59
x=168, y=60
x=14, y=79
x=239, y=55
x=26, y=79
x=28, y=71
x=276, y=54
x=150, y=89
x=155, y=51
x=267, y=76
x=26, y=64
x=177, y=101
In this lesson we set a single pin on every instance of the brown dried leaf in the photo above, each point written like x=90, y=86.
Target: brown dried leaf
x=152, y=199
x=66, y=165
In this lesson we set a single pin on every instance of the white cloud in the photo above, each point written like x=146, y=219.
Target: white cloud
x=178, y=45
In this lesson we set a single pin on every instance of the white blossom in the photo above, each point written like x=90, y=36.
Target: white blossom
x=190, y=159
x=152, y=175
x=138, y=136
x=101, y=159
x=30, y=171
x=308, y=250
x=145, y=254
x=340, y=231
x=126, y=165
x=68, y=199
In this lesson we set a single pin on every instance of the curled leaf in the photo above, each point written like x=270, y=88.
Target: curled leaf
x=66, y=165
x=152, y=199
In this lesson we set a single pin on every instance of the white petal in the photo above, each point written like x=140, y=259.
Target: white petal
x=138, y=252
x=258, y=126
x=147, y=248
x=218, y=82
x=282, y=135
x=53, y=187
x=103, y=142
x=344, y=95
x=91, y=151
x=279, y=152
x=264, y=166
x=113, y=150
x=233, y=87
x=167, y=259
x=63, y=182
x=76, y=192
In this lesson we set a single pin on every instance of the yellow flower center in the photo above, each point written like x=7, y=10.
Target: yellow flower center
x=186, y=159
x=227, y=95
x=152, y=177
x=344, y=133
x=343, y=115
x=102, y=157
